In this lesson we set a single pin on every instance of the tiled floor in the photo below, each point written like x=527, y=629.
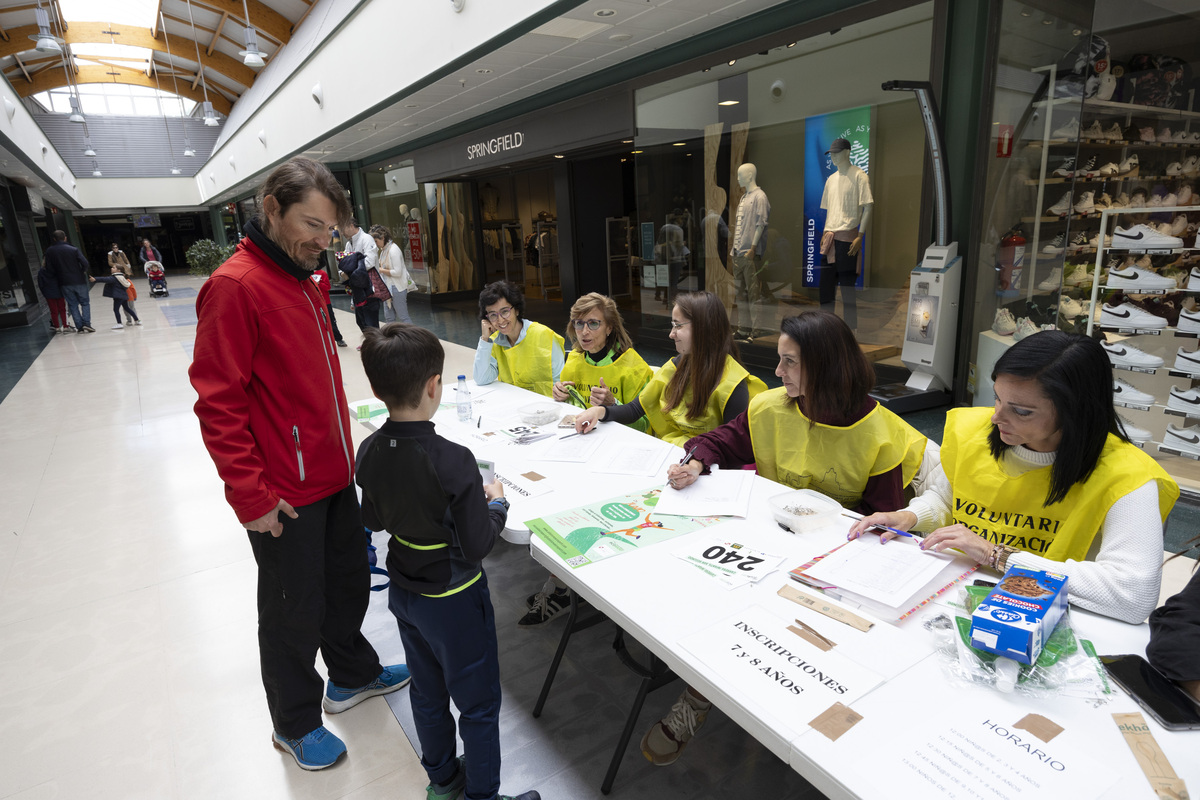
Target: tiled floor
x=128, y=658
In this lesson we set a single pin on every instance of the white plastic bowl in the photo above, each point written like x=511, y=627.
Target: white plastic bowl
x=783, y=508
x=540, y=414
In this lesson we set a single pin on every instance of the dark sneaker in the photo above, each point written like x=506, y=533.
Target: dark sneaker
x=530, y=795
x=342, y=343
x=545, y=607
x=338, y=699
x=315, y=750
x=665, y=741
x=452, y=790
x=88, y=329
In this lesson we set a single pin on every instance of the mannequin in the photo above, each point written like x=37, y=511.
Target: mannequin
x=746, y=253
x=847, y=202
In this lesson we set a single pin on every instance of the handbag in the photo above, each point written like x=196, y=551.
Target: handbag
x=380, y=289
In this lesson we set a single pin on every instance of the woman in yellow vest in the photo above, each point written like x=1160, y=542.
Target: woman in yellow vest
x=1048, y=480
x=821, y=430
x=514, y=349
x=602, y=368
x=697, y=390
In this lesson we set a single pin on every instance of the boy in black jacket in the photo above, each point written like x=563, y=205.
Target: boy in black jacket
x=427, y=493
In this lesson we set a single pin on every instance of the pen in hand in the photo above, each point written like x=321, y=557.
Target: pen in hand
x=688, y=455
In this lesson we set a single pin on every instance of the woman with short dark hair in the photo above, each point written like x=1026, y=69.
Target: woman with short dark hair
x=821, y=430
x=1048, y=480
x=515, y=350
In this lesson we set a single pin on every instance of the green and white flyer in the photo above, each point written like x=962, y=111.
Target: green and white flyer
x=611, y=527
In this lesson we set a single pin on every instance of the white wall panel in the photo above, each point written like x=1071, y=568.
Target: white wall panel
x=152, y=193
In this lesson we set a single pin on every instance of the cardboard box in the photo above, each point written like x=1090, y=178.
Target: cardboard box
x=1019, y=614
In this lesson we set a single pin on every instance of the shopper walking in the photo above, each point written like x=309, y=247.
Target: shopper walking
x=70, y=270
x=146, y=253
x=48, y=286
x=274, y=417
x=117, y=286
x=395, y=275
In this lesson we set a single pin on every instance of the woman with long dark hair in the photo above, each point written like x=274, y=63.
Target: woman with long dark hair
x=1048, y=480
x=697, y=390
x=821, y=430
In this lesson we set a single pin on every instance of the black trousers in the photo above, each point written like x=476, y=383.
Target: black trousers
x=313, y=591
x=1174, y=647
x=840, y=270
x=367, y=315
x=337, y=335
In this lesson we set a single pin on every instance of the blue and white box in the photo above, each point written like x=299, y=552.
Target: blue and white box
x=1019, y=614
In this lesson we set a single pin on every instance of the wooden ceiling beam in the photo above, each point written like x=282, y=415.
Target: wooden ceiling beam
x=217, y=33
x=266, y=20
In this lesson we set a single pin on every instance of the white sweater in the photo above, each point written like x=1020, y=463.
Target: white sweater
x=1123, y=570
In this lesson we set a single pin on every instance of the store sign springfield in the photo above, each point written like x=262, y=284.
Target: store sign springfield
x=776, y=669
x=496, y=145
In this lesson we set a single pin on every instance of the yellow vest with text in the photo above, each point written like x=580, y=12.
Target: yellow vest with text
x=625, y=377
x=674, y=425
x=527, y=364
x=833, y=460
x=1009, y=510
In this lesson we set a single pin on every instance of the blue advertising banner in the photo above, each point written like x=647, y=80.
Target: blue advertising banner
x=854, y=125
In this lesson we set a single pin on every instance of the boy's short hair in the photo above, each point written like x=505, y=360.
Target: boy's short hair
x=399, y=359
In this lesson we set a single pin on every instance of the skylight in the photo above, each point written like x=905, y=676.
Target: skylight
x=139, y=13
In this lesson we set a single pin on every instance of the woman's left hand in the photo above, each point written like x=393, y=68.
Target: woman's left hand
x=602, y=395
x=961, y=538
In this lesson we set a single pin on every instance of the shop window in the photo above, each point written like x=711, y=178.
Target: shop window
x=759, y=129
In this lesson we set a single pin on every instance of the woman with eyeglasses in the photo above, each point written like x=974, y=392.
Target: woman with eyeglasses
x=602, y=368
x=697, y=390
x=514, y=349
x=395, y=275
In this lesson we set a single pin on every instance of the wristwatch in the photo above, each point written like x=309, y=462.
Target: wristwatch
x=501, y=501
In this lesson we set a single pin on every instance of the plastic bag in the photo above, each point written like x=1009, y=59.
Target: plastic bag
x=1065, y=667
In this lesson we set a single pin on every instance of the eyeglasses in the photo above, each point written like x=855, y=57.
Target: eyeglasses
x=502, y=313
x=677, y=325
x=592, y=324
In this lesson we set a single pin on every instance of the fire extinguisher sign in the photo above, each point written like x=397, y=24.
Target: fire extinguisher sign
x=1004, y=141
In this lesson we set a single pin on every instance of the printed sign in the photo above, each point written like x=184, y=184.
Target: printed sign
x=854, y=125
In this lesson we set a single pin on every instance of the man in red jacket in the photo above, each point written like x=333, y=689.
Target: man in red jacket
x=275, y=420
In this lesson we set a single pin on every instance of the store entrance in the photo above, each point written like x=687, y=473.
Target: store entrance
x=519, y=220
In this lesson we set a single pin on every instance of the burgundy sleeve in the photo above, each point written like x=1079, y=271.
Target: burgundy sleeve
x=883, y=492
x=728, y=446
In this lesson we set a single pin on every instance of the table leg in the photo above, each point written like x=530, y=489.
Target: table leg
x=655, y=676
x=573, y=624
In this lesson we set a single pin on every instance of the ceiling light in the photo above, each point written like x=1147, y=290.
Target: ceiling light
x=635, y=152
x=559, y=156
x=176, y=171
x=210, y=116
x=627, y=141
x=679, y=144
x=47, y=42
x=484, y=71
x=732, y=61
x=96, y=173
x=411, y=105
x=1077, y=32
x=188, y=150
x=793, y=44
x=251, y=56
x=620, y=37
x=729, y=102
x=87, y=144
x=604, y=12
x=76, y=114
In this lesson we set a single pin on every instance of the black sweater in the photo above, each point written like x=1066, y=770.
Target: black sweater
x=427, y=493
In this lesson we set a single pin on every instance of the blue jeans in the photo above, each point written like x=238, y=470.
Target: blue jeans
x=79, y=303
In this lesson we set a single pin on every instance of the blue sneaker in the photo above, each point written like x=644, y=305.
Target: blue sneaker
x=338, y=699
x=452, y=790
x=314, y=750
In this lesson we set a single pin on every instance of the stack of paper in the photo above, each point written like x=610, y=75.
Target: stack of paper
x=724, y=493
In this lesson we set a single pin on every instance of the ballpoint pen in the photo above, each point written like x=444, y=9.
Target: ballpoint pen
x=688, y=455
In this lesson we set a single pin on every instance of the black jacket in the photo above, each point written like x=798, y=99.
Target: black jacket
x=427, y=493
x=113, y=287
x=355, y=267
x=66, y=264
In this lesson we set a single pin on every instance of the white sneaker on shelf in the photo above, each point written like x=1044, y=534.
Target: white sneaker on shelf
x=1174, y=168
x=1139, y=237
x=1171, y=200
x=1155, y=201
x=1146, y=134
x=1164, y=135
x=1053, y=280
x=1055, y=245
x=1067, y=169
x=1193, y=283
x=1128, y=393
x=1133, y=432
x=1185, y=400
x=1069, y=307
x=1129, y=167
x=1079, y=276
x=1185, y=195
x=1086, y=204
x=1068, y=131
x=1123, y=355
x=1093, y=131
x=1181, y=136
x=1189, y=321
x=1004, y=324
x=1194, y=138
x=1127, y=315
x=1137, y=279
x=1179, y=225
x=1108, y=170
x=1062, y=207
x=1025, y=327
x=1122, y=200
x=1184, y=439
x=1187, y=361
x=1095, y=241
x=1114, y=133
x=1191, y=165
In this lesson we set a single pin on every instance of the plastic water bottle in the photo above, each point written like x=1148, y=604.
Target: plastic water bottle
x=464, y=400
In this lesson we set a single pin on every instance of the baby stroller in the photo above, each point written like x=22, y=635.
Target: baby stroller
x=158, y=279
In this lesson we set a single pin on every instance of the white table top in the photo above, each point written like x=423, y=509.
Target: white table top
x=661, y=600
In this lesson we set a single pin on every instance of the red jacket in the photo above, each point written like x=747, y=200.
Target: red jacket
x=272, y=410
x=321, y=279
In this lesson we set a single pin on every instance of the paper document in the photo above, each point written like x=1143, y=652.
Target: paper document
x=576, y=448
x=724, y=493
x=625, y=458
x=887, y=573
x=487, y=469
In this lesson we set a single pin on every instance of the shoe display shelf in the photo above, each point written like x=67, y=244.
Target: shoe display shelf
x=1163, y=343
